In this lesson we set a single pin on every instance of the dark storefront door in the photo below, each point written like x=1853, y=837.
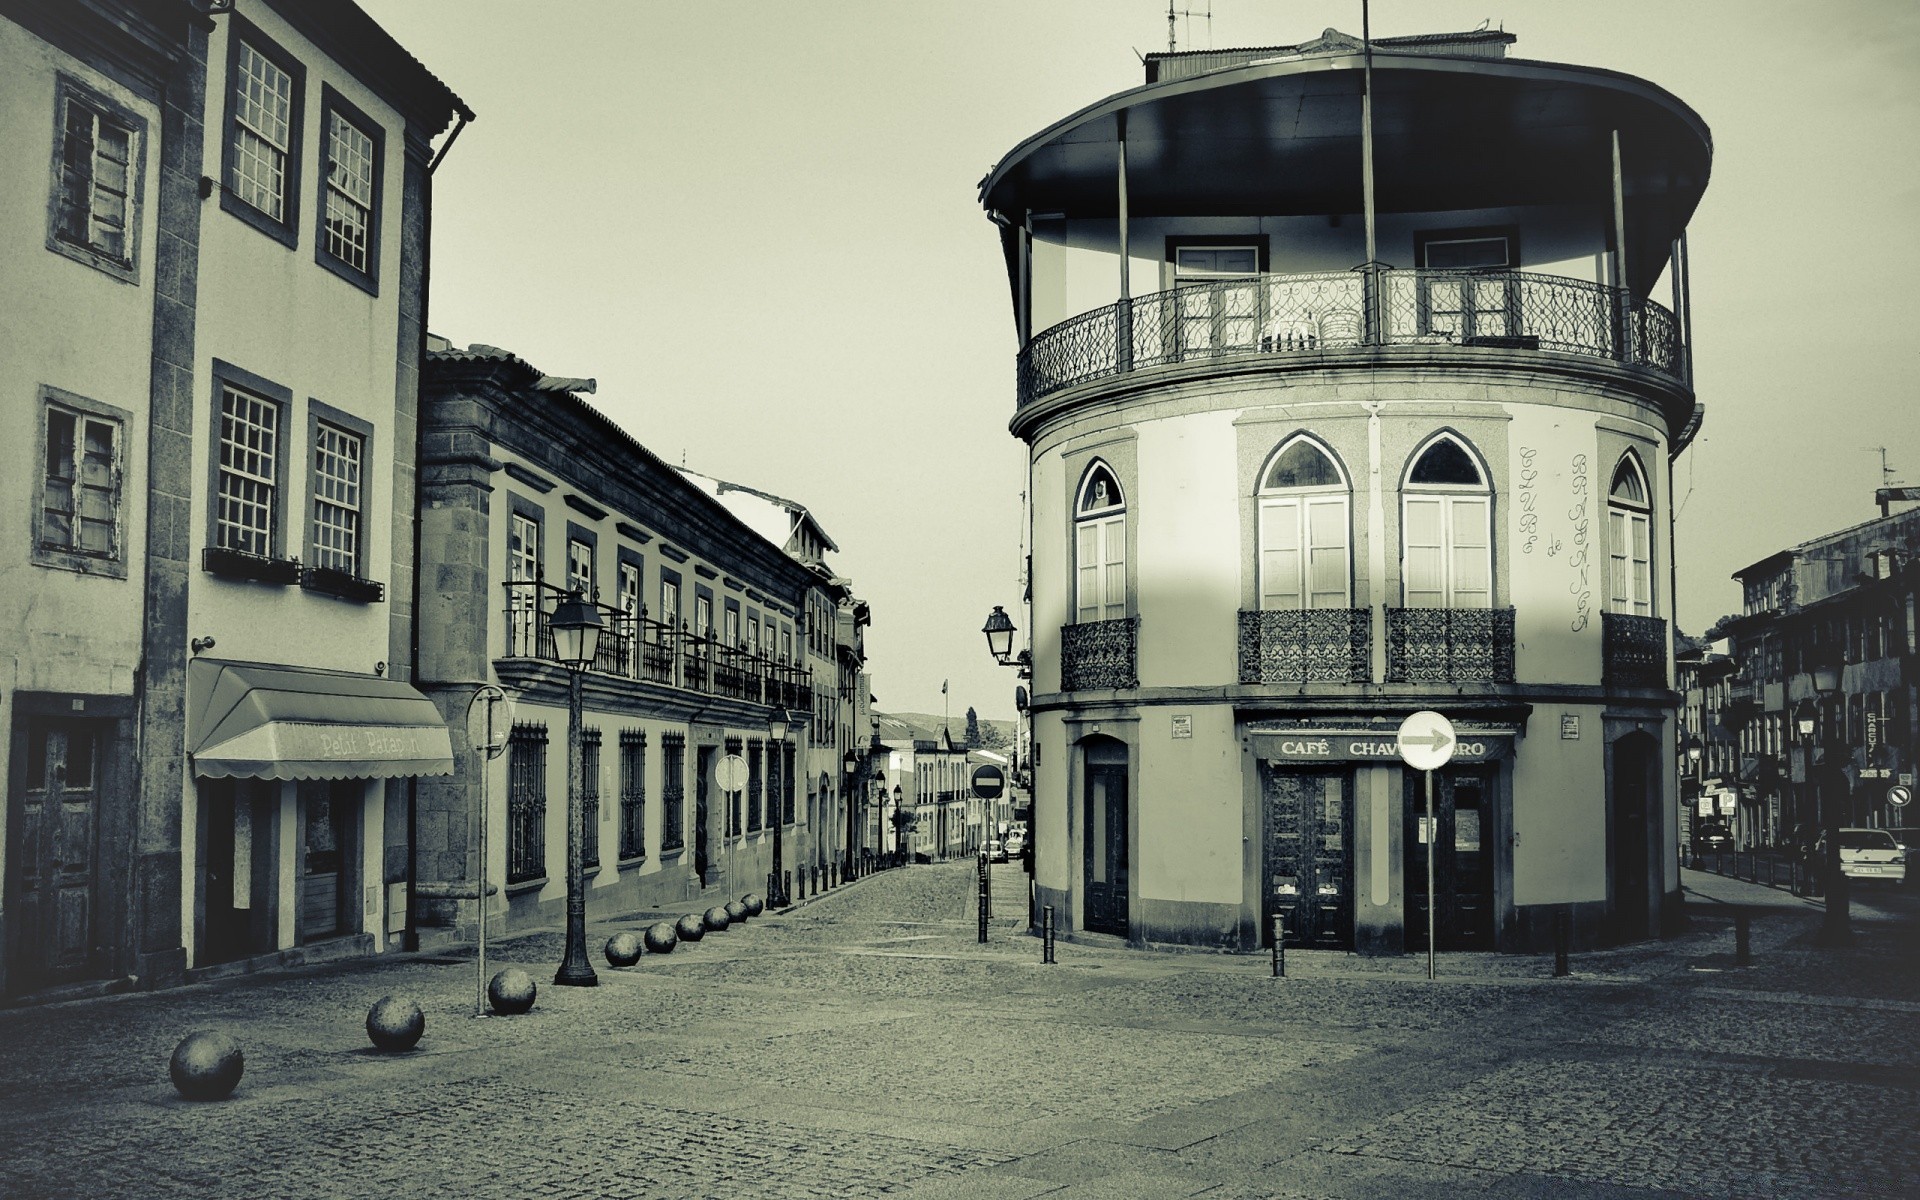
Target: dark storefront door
x=237, y=820
x=1463, y=858
x=1309, y=860
x=327, y=878
x=52, y=856
x=702, y=787
x=1106, y=839
x=1634, y=762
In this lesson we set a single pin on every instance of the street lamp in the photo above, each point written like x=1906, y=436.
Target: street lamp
x=1694, y=753
x=850, y=761
x=777, y=722
x=575, y=624
x=999, y=631
x=1835, y=929
x=898, y=824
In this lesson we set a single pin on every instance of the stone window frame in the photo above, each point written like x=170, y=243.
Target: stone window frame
x=69, y=91
x=332, y=105
x=1628, y=510
x=1411, y=492
x=225, y=377
x=319, y=414
x=284, y=229
x=1267, y=497
x=113, y=563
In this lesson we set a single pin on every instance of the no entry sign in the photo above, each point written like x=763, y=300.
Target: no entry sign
x=989, y=782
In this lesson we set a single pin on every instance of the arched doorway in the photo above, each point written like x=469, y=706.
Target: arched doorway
x=1105, y=835
x=1630, y=833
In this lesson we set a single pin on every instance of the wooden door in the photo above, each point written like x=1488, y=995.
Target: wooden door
x=1309, y=859
x=702, y=787
x=1106, y=847
x=52, y=857
x=1464, y=842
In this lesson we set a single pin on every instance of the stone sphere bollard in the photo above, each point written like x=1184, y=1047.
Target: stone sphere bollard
x=661, y=938
x=755, y=905
x=623, y=949
x=206, y=1065
x=395, y=1024
x=736, y=911
x=716, y=919
x=690, y=927
x=511, y=992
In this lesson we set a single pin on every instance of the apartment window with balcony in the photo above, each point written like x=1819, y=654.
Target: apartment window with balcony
x=523, y=576
x=95, y=210
x=627, y=587
x=580, y=565
x=1305, y=555
x=1446, y=522
x=1220, y=316
x=1629, y=558
x=1100, y=547
x=669, y=600
x=262, y=163
x=1480, y=301
x=730, y=634
x=703, y=616
x=348, y=241
x=77, y=520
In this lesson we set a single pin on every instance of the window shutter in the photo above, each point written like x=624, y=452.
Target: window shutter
x=1327, y=554
x=1638, y=524
x=1423, y=571
x=1114, y=533
x=1280, y=554
x=1088, y=585
x=1619, y=572
x=1471, y=559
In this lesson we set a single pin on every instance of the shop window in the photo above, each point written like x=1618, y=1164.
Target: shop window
x=1446, y=522
x=1305, y=553
x=1100, y=547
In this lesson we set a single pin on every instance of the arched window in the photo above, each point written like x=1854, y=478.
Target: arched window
x=1445, y=531
x=1100, y=547
x=1629, y=558
x=1305, y=551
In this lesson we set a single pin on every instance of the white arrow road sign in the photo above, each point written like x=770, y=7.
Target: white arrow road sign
x=1426, y=740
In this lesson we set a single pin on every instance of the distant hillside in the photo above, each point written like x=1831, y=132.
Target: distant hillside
x=928, y=725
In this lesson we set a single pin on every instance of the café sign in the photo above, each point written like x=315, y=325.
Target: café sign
x=1369, y=745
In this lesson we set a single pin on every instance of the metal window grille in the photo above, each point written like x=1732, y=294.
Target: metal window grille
x=94, y=181
x=590, y=797
x=81, y=496
x=753, y=787
x=633, y=793
x=336, y=498
x=527, y=802
x=350, y=165
x=262, y=132
x=673, y=791
x=776, y=779
x=249, y=458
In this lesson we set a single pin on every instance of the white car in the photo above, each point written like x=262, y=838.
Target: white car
x=1872, y=854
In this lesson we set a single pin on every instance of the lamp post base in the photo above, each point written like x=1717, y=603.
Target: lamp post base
x=576, y=974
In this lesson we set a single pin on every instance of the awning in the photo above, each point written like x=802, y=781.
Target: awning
x=259, y=721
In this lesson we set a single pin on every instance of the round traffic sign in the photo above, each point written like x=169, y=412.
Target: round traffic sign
x=1899, y=795
x=489, y=720
x=1426, y=740
x=730, y=773
x=988, y=782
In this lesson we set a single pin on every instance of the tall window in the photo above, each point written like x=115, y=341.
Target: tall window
x=350, y=197
x=1305, y=554
x=670, y=601
x=80, y=492
x=336, y=542
x=1221, y=316
x=703, y=616
x=673, y=791
x=633, y=793
x=730, y=636
x=753, y=787
x=1477, y=302
x=1446, y=529
x=590, y=797
x=580, y=567
x=1629, y=557
x=523, y=569
x=263, y=134
x=1100, y=548
x=628, y=592
x=95, y=179
x=249, y=481
x=527, y=802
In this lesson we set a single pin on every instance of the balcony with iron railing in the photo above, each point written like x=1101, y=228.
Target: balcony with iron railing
x=1633, y=650
x=1449, y=645
x=1257, y=318
x=634, y=646
x=1305, y=645
x=1098, y=655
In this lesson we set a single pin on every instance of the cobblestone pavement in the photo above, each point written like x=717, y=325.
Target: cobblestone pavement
x=864, y=1044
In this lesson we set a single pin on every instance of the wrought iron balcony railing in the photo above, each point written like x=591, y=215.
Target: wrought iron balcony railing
x=1265, y=315
x=634, y=646
x=1449, y=645
x=1633, y=650
x=1099, y=654
x=1305, y=645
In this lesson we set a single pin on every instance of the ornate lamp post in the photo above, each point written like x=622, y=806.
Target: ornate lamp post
x=850, y=763
x=999, y=631
x=576, y=626
x=1694, y=753
x=1836, y=929
x=1804, y=721
x=777, y=722
x=898, y=825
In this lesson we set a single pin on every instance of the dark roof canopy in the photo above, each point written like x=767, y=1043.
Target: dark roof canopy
x=1282, y=136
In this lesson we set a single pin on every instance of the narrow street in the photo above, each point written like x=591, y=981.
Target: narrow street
x=864, y=1044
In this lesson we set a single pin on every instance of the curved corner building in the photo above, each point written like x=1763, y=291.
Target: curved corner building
x=1341, y=405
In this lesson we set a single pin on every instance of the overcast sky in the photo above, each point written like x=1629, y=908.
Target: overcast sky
x=754, y=222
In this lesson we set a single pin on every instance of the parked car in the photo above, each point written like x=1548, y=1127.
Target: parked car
x=1712, y=835
x=1909, y=839
x=996, y=851
x=1868, y=854
x=1016, y=844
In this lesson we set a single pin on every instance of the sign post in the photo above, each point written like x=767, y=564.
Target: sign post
x=988, y=782
x=1426, y=742
x=489, y=722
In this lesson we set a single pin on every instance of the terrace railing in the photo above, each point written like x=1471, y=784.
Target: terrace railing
x=635, y=646
x=1449, y=645
x=1264, y=315
x=1099, y=654
x=1633, y=650
x=1305, y=645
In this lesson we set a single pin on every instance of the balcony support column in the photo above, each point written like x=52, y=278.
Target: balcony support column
x=1374, y=333
x=1623, y=345
x=1024, y=259
x=1123, y=311
x=1682, y=276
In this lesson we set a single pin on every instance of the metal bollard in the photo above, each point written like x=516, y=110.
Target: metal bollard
x=1046, y=934
x=984, y=900
x=786, y=886
x=1279, y=946
x=1742, y=938
x=1562, y=944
